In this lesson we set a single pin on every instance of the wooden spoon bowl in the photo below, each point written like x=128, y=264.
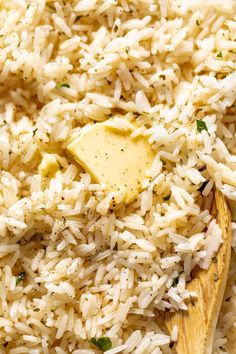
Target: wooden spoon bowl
x=197, y=325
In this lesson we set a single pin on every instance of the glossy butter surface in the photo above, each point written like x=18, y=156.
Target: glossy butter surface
x=113, y=158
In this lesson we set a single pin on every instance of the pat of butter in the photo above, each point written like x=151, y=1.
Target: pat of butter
x=48, y=166
x=113, y=158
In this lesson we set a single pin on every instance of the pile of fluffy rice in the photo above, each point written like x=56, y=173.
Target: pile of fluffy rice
x=71, y=268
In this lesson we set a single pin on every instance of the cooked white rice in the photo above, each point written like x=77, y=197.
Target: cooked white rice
x=71, y=268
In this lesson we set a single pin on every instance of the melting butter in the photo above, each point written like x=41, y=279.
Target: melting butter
x=113, y=158
x=48, y=166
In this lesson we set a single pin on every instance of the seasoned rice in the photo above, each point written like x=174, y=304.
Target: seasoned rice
x=71, y=267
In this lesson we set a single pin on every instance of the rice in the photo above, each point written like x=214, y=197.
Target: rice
x=72, y=268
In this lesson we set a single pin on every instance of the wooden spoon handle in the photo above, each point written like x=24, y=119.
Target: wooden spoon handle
x=197, y=326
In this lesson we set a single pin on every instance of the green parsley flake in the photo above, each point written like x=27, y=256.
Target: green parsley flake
x=201, y=125
x=219, y=55
x=103, y=343
x=63, y=84
x=20, y=278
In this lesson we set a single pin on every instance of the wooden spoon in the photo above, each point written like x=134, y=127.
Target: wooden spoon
x=197, y=325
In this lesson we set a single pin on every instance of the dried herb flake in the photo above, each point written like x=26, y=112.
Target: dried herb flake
x=20, y=278
x=63, y=84
x=103, y=343
x=116, y=28
x=175, y=282
x=201, y=125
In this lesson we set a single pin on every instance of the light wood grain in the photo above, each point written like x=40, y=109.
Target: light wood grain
x=197, y=326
